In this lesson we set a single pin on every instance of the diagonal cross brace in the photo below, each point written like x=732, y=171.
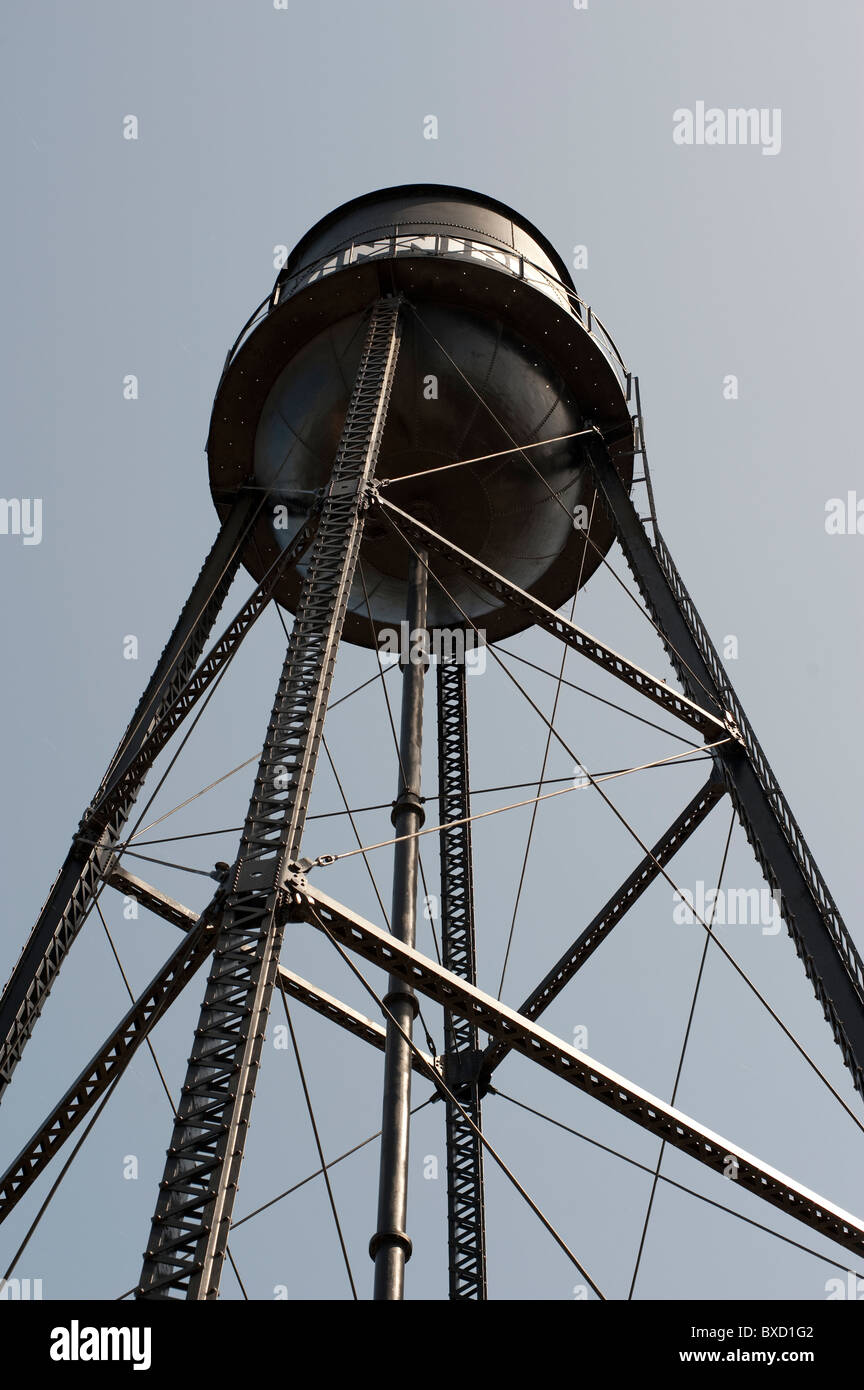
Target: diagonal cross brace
x=107, y=1064
x=682, y=706
x=648, y=869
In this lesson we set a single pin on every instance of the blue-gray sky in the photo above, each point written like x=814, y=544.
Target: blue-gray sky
x=145, y=257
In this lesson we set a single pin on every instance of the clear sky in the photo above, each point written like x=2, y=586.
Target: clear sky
x=706, y=261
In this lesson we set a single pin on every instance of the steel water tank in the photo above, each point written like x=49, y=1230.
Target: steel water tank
x=497, y=352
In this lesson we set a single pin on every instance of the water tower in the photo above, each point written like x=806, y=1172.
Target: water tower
x=422, y=432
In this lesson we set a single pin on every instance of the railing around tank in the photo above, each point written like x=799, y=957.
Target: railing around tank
x=449, y=246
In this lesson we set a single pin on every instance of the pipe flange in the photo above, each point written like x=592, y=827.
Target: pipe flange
x=402, y=996
x=408, y=800
x=399, y=1238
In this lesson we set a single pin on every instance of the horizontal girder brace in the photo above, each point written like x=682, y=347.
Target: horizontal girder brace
x=307, y=993
x=115, y=1054
x=348, y=1018
x=155, y=901
x=307, y=903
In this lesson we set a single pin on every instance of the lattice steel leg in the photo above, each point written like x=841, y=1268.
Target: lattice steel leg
x=193, y=1213
x=72, y=893
x=829, y=954
x=465, y=1206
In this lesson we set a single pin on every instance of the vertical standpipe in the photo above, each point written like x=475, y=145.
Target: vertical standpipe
x=390, y=1247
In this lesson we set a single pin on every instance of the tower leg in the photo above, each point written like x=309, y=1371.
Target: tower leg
x=74, y=889
x=190, y=1227
x=829, y=954
x=390, y=1247
x=466, y=1225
